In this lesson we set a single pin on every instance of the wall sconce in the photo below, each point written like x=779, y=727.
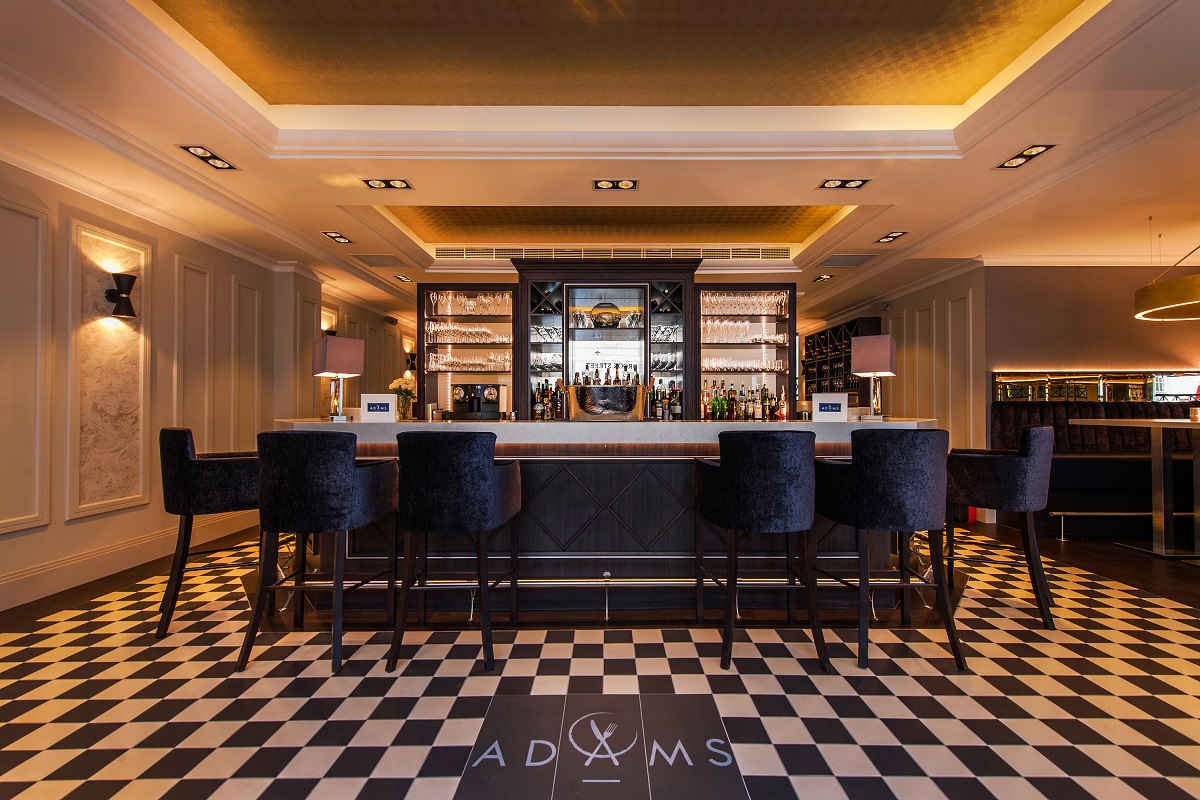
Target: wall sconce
x=338, y=357
x=410, y=362
x=119, y=297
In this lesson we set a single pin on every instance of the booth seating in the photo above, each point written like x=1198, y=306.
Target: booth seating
x=763, y=484
x=1097, y=471
x=208, y=483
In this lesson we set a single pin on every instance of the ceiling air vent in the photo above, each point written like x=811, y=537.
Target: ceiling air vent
x=724, y=253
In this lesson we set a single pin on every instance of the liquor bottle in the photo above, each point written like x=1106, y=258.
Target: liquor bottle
x=662, y=401
x=636, y=379
x=714, y=411
x=652, y=405
x=676, y=402
x=772, y=406
x=607, y=377
x=576, y=381
x=703, y=402
x=732, y=413
x=596, y=376
x=764, y=406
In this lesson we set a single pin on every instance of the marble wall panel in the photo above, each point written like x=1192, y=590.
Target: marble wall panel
x=110, y=386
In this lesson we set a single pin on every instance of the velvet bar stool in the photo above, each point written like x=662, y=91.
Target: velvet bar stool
x=763, y=484
x=451, y=483
x=1005, y=480
x=309, y=482
x=208, y=483
x=895, y=481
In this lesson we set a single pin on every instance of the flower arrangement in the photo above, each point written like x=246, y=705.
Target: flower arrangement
x=404, y=388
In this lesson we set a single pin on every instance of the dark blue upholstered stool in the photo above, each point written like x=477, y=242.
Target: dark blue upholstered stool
x=208, y=483
x=895, y=482
x=763, y=484
x=309, y=482
x=1006, y=480
x=450, y=483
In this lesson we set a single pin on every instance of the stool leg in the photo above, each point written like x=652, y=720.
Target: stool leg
x=391, y=582
x=268, y=557
x=183, y=542
x=301, y=567
x=791, y=575
x=943, y=596
x=514, y=549
x=423, y=544
x=807, y=554
x=1037, y=576
x=485, y=611
x=731, y=576
x=864, y=595
x=410, y=571
x=904, y=549
x=339, y=577
x=950, y=547
x=698, y=532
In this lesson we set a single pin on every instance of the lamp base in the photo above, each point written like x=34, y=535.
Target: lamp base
x=873, y=417
x=340, y=418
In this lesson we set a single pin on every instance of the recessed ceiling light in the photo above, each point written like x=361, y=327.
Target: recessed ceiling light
x=1023, y=157
x=207, y=156
x=891, y=237
x=387, y=183
x=337, y=237
x=844, y=183
x=403, y=278
x=822, y=278
x=615, y=183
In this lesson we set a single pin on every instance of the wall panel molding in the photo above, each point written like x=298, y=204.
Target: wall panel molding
x=109, y=382
x=960, y=396
x=245, y=407
x=27, y=358
x=311, y=393
x=193, y=365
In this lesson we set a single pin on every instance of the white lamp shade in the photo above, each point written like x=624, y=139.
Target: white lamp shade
x=873, y=356
x=338, y=357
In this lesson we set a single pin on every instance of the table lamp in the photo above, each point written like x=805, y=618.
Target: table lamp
x=873, y=357
x=338, y=358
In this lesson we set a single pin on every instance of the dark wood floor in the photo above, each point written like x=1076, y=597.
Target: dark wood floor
x=1174, y=580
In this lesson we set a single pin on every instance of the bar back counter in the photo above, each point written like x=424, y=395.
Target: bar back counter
x=607, y=507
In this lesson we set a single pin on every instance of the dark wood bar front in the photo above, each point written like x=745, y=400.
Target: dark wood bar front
x=609, y=525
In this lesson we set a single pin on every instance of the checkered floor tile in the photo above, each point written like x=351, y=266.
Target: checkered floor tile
x=1107, y=706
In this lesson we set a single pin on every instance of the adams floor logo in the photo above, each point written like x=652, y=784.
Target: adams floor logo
x=597, y=746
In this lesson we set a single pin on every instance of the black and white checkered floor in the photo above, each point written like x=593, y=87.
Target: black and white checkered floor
x=92, y=706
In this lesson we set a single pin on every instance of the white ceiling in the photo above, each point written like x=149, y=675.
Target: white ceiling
x=97, y=94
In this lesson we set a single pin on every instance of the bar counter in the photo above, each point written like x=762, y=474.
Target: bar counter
x=609, y=505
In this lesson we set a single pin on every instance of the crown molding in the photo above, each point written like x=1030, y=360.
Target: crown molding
x=56, y=173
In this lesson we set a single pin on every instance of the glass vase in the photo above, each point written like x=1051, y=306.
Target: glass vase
x=403, y=409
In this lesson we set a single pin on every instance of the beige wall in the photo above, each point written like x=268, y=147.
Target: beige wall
x=940, y=373
x=86, y=394
x=1080, y=317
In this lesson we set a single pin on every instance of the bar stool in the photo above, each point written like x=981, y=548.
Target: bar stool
x=309, y=482
x=763, y=484
x=895, y=481
x=451, y=483
x=208, y=483
x=1006, y=480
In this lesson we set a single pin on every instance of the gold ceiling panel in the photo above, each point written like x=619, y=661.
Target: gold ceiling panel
x=606, y=225
x=617, y=52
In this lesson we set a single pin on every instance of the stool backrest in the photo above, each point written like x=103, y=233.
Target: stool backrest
x=176, y=451
x=447, y=481
x=900, y=477
x=768, y=480
x=306, y=481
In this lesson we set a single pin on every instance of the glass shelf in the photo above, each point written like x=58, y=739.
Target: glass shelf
x=744, y=344
x=473, y=345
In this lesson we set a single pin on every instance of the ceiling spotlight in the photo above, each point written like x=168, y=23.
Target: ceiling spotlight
x=844, y=183
x=387, y=183
x=337, y=237
x=891, y=237
x=403, y=278
x=614, y=183
x=822, y=278
x=1023, y=157
x=207, y=156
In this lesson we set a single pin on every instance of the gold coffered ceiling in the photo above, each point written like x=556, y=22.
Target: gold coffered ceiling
x=612, y=224
x=617, y=52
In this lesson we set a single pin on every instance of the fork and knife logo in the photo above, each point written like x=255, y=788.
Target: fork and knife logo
x=602, y=740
